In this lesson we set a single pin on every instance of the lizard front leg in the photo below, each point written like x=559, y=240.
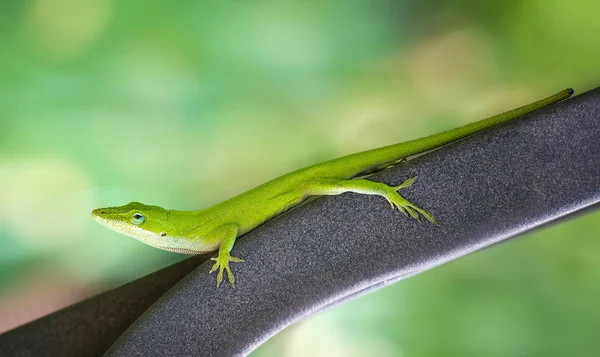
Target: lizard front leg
x=336, y=187
x=227, y=233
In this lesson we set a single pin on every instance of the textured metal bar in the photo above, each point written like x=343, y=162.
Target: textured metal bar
x=90, y=327
x=483, y=190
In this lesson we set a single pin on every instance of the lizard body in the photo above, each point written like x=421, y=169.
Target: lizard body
x=217, y=227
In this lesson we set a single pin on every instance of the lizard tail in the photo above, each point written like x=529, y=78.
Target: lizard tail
x=352, y=165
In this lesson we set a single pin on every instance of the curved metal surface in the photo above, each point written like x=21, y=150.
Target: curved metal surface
x=482, y=190
x=90, y=327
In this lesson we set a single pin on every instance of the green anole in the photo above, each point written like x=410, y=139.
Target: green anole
x=205, y=230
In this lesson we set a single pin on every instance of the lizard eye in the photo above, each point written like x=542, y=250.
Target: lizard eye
x=137, y=218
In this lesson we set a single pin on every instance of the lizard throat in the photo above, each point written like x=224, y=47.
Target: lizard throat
x=171, y=244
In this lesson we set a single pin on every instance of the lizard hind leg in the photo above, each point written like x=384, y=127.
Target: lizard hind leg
x=362, y=186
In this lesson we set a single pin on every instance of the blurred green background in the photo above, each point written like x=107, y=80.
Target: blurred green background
x=183, y=104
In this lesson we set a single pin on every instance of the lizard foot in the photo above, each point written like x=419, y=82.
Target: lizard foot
x=406, y=183
x=222, y=263
x=407, y=208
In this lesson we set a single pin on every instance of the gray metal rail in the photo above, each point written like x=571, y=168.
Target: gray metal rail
x=484, y=189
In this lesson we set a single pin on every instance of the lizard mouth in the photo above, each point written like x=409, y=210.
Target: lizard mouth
x=117, y=225
x=98, y=211
x=101, y=216
x=183, y=251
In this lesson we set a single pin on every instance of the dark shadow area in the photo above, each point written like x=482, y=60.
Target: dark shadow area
x=90, y=327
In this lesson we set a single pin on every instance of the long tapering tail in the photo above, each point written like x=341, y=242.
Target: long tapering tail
x=354, y=164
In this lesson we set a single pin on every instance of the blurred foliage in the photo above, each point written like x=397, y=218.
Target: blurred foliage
x=183, y=104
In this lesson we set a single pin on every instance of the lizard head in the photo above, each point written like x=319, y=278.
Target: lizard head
x=147, y=224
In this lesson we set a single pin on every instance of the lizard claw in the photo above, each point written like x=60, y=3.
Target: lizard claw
x=407, y=208
x=222, y=264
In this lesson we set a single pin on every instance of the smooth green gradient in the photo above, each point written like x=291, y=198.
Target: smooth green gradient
x=185, y=104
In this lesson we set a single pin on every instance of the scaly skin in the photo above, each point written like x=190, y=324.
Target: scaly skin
x=194, y=232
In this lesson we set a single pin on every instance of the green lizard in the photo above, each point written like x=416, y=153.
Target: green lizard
x=205, y=230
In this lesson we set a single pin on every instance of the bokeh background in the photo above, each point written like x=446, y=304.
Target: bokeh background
x=183, y=104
